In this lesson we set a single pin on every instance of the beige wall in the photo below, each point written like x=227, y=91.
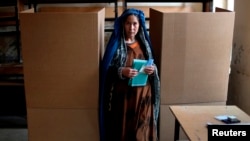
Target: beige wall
x=240, y=66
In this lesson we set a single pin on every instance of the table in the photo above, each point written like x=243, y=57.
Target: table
x=193, y=119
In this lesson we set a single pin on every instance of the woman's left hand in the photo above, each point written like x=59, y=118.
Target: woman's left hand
x=149, y=69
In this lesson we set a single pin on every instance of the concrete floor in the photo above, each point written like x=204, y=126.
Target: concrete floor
x=13, y=134
x=13, y=128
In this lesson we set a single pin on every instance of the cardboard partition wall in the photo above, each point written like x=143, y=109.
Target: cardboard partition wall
x=61, y=50
x=63, y=125
x=193, y=52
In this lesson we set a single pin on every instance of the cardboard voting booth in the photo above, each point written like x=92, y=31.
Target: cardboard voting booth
x=61, y=48
x=193, y=51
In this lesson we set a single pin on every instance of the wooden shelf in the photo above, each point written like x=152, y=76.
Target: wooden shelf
x=207, y=5
x=9, y=17
x=11, y=69
x=11, y=75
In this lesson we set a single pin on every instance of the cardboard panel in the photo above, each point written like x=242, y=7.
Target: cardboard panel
x=167, y=121
x=63, y=125
x=61, y=53
x=193, y=54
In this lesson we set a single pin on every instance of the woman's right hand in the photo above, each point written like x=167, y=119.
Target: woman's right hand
x=129, y=72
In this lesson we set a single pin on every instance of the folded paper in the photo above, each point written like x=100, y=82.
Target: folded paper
x=141, y=78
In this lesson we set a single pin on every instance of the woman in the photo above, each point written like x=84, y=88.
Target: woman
x=128, y=113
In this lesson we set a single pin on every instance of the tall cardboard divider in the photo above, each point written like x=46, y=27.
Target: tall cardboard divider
x=193, y=51
x=61, y=49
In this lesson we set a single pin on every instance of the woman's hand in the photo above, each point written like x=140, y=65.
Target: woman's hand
x=149, y=69
x=129, y=72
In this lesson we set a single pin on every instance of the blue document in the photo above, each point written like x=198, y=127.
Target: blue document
x=141, y=78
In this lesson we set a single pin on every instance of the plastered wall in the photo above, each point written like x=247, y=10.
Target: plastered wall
x=240, y=66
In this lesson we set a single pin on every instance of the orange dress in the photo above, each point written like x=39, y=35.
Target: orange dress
x=131, y=108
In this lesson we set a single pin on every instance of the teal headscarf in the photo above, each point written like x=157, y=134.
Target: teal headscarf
x=115, y=55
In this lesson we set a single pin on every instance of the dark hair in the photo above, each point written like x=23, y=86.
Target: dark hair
x=126, y=17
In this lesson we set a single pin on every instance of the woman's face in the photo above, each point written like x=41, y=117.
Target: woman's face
x=131, y=27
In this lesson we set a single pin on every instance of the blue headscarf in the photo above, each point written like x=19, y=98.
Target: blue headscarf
x=116, y=44
x=117, y=34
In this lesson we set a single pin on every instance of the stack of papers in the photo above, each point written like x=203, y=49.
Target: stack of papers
x=141, y=78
